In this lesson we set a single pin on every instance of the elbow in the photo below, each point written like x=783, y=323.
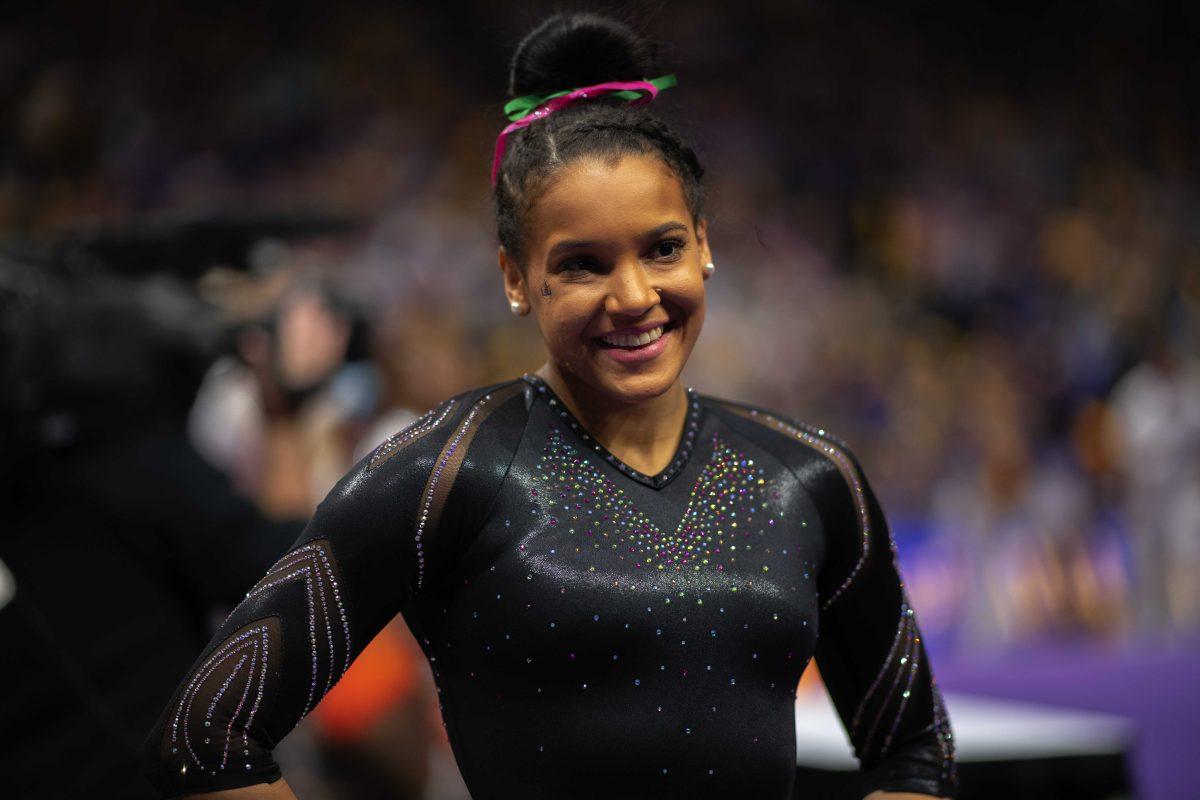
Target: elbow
x=923, y=765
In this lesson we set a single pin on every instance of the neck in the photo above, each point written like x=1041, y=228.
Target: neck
x=644, y=434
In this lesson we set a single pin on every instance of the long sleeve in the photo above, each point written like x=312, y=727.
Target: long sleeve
x=869, y=646
x=389, y=527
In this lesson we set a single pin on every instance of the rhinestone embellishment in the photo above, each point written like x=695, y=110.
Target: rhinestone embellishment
x=728, y=502
x=690, y=430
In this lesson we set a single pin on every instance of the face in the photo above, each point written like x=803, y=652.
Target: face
x=613, y=257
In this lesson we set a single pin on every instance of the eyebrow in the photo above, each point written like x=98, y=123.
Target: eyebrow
x=664, y=228
x=576, y=244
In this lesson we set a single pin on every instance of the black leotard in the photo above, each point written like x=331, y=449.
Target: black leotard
x=593, y=631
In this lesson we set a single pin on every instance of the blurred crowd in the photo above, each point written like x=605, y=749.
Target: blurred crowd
x=968, y=244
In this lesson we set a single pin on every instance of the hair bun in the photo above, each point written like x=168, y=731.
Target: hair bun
x=571, y=50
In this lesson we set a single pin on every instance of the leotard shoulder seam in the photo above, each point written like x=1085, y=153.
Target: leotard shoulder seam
x=449, y=462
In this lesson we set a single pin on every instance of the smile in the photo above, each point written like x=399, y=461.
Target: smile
x=642, y=346
x=633, y=340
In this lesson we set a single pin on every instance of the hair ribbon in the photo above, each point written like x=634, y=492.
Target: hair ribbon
x=524, y=111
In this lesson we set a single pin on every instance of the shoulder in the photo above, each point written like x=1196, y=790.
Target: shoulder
x=422, y=493
x=830, y=475
x=486, y=410
x=484, y=423
x=800, y=445
x=824, y=465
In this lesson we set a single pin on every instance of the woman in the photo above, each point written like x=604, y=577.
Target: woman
x=617, y=581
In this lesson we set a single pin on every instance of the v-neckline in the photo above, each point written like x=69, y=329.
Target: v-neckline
x=691, y=427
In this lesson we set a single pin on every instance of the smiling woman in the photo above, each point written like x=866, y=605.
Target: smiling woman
x=617, y=580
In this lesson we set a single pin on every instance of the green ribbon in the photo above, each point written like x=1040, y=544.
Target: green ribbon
x=520, y=107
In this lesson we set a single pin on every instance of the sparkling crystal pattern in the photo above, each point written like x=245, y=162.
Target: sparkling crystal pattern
x=240, y=665
x=252, y=648
x=727, y=499
x=311, y=563
x=691, y=427
x=901, y=667
x=819, y=440
x=413, y=431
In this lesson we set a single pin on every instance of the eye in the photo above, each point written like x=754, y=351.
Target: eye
x=668, y=249
x=577, y=265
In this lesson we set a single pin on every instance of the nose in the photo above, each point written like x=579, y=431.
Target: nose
x=629, y=292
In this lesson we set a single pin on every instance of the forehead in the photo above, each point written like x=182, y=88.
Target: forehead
x=596, y=198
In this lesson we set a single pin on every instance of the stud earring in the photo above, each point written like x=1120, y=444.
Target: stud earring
x=515, y=307
x=709, y=268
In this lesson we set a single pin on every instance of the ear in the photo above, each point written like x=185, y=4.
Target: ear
x=702, y=241
x=514, y=280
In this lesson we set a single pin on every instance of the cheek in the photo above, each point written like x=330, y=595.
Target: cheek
x=689, y=295
x=696, y=319
x=565, y=316
x=686, y=290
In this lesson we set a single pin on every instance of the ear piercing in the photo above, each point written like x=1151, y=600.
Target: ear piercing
x=545, y=288
x=515, y=307
x=709, y=269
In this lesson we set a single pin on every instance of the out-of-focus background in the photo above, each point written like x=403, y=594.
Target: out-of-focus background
x=244, y=242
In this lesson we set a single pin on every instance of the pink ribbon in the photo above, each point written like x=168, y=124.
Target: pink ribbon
x=562, y=101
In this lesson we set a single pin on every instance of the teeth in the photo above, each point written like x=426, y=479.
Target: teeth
x=630, y=340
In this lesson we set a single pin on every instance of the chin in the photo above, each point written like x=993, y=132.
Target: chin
x=632, y=382
x=634, y=387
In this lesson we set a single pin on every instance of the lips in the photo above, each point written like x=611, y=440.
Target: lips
x=648, y=345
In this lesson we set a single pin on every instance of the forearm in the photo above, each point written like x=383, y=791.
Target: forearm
x=882, y=795
x=279, y=790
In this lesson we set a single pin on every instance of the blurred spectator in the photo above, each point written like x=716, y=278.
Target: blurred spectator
x=1157, y=407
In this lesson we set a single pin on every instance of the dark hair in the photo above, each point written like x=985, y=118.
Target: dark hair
x=567, y=51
